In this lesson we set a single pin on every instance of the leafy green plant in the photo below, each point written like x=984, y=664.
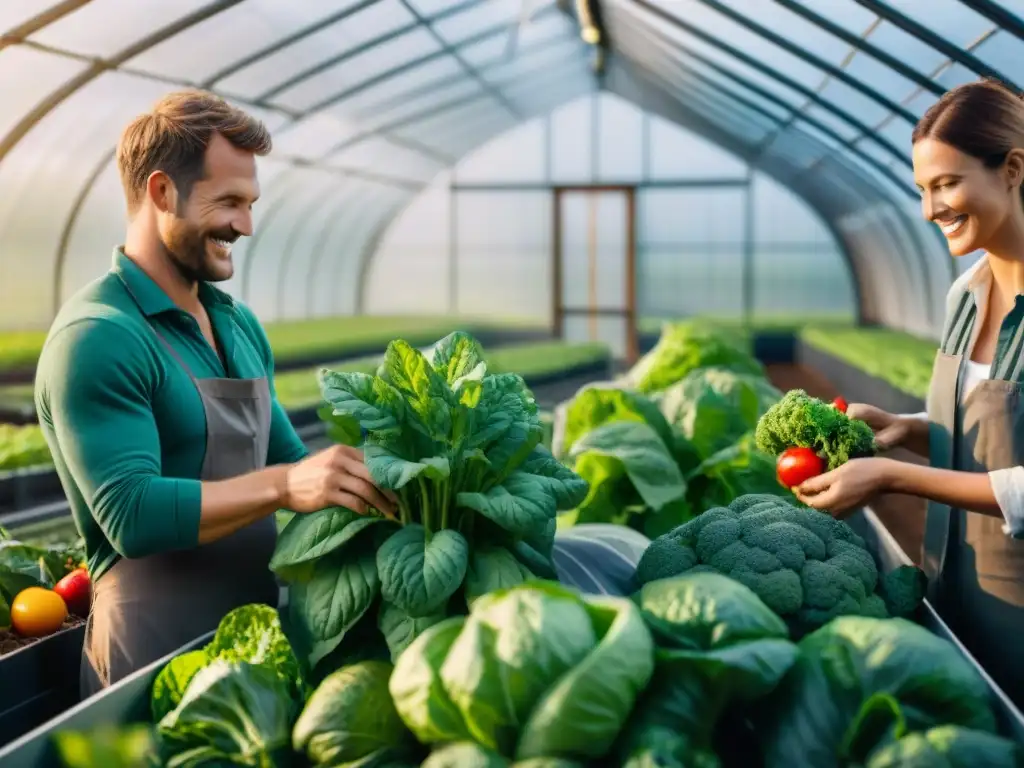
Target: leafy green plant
x=902, y=360
x=477, y=493
x=654, y=461
x=861, y=682
x=533, y=672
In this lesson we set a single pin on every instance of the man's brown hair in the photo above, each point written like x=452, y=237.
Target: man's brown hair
x=173, y=137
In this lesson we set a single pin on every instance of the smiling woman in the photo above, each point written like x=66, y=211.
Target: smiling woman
x=968, y=154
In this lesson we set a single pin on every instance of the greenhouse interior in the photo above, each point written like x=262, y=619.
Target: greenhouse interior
x=597, y=383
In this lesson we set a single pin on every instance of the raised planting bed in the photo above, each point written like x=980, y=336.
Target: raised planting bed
x=299, y=343
x=859, y=385
x=886, y=368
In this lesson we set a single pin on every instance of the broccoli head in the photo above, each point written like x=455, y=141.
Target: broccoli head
x=805, y=565
x=799, y=420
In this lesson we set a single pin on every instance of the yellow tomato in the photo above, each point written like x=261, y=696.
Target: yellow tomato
x=36, y=612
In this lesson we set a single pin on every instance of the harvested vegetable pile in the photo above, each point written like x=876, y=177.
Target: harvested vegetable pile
x=477, y=492
x=801, y=421
x=693, y=672
x=806, y=566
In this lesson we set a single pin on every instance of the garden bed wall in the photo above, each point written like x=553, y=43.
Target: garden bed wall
x=853, y=382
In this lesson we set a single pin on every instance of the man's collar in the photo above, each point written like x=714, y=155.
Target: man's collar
x=151, y=298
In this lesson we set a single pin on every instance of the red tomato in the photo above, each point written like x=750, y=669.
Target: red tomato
x=76, y=590
x=840, y=403
x=795, y=465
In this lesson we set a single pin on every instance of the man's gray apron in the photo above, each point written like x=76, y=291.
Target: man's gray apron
x=976, y=571
x=146, y=608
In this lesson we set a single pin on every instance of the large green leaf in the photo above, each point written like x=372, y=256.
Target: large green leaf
x=521, y=505
x=309, y=537
x=596, y=406
x=568, y=488
x=418, y=576
x=812, y=718
x=458, y=356
x=349, y=716
x=582, y=713
x=400, y=629
x=425, y=391
x=393, y=472
x=418, y=691
x=633, y=450
x=356, y=394
x=232, y=713
x=491, y=568
x=343, y=586
x=511, y=650
x=172, y=681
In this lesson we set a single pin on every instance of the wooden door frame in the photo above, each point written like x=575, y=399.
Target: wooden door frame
x=559, y=310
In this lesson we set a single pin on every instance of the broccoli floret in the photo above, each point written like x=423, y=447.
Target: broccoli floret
x=903, y=590
x=801, y=420
x=806, y=566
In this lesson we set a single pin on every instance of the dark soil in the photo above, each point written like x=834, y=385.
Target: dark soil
x=10, y=641
x=902, y=515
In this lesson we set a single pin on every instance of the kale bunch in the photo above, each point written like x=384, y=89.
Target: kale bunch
x=799, y=420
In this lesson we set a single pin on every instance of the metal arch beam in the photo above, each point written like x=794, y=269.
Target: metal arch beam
x=925, y=35
x=1001, y=17
x=326, y=204
x=285, y=182
x=40, y=20
x=349, y=53
x=796, y=50
x=319, y=251
x=775, y=99
x=477, y=37
x=424, y=114
x=369, y=251
x=653, y=98
x=310, y=29
x=495, y=93
x=99, y=66
x=776, y=75
x=861, y=44
x=671, y=108
x=64, y=243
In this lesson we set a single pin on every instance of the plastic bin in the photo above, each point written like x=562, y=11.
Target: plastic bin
x=122, y=703
x=890, y=555
x=39, y=681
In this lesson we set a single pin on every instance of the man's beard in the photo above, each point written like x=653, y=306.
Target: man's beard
x=188, y=250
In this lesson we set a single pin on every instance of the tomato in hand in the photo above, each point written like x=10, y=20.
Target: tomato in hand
x=840, y=403
x=795, y=465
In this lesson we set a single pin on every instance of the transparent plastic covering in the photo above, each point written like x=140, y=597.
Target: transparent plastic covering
x=374, y=103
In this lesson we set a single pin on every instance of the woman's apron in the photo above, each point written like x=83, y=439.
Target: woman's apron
x=146, y=608
x=975, y=570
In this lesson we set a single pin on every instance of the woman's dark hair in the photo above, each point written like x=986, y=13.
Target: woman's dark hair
x=983, y=119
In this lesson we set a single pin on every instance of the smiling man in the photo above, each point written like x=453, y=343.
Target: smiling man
x=155, y=393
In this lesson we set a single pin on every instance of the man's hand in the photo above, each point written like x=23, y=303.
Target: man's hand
x=892, y=431
x=335, y=477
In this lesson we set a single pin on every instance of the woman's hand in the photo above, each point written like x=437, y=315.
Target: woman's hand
x=891, y=430
x=848, y=487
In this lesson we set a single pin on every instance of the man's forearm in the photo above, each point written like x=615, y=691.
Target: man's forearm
x=962, y=490
x=229, y=505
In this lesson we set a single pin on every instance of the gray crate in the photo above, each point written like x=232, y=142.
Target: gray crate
x=127, y=701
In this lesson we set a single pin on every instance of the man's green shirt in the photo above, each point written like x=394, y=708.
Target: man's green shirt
x=123, y=420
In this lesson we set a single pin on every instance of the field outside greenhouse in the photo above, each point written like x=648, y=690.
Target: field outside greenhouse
x=570, y=302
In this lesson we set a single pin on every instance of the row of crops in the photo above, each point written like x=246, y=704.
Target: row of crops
x=754, y=631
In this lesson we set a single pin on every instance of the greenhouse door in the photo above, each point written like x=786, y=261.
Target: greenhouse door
x=594, y=267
